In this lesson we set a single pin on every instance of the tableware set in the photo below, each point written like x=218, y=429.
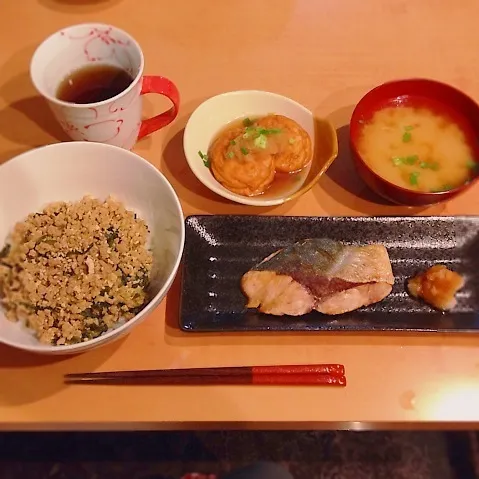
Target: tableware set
x=99, y=163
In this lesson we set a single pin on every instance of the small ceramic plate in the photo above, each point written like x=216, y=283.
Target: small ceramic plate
x=220, y=249
x=217, y=112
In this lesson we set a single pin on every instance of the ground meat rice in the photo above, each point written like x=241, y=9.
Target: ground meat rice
x=75, y=270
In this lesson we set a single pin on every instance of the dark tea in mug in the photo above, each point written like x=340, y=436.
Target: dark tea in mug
x=93, y=83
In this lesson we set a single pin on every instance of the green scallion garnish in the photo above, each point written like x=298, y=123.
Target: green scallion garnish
x=406, y=138
x=445, y=187
x=427, y=165
x=413, y=177
x=473, y=165
x=261, y=141
x=244, y=150
x=269, y=131
x=405, y=160
x=205, y=159
x=230, y=154
x=232, y=142
x=247, y=122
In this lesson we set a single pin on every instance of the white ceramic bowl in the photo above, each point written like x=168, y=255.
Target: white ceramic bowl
x=216, y=112
x=69, y=171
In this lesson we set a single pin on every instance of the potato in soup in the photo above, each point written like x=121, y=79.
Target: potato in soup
x=417, y=149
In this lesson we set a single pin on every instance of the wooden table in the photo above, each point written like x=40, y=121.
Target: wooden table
x=325, y=55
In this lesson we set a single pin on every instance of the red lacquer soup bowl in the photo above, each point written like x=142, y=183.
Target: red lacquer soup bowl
x=435, y=96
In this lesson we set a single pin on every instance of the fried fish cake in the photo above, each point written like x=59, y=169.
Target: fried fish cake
x=294, y=150
x=242, y=170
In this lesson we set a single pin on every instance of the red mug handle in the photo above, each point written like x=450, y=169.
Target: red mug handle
x=162, y=86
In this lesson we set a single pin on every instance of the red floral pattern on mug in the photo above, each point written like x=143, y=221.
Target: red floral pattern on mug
x=71, y=129
x=104, y=131
x=98, y=35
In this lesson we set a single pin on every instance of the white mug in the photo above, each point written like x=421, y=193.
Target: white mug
x=117, y=120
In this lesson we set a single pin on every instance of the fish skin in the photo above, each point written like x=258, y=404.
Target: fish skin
x=320, y=274
x=320, y=264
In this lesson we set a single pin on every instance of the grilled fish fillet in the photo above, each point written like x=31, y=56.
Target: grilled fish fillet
x=319, y=274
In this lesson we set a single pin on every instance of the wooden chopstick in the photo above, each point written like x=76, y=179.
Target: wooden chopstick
x=314, y=374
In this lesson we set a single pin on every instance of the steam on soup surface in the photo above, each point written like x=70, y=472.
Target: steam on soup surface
x=417, y=149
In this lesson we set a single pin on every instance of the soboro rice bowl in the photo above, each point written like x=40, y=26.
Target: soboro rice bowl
x=75, y=270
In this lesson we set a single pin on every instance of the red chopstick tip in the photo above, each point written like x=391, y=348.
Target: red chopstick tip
x=331, y=369
x=298, y=380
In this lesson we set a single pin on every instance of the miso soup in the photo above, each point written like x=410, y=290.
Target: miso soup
x=417, y=149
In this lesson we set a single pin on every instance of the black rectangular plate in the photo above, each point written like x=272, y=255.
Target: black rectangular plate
x=220, y=249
